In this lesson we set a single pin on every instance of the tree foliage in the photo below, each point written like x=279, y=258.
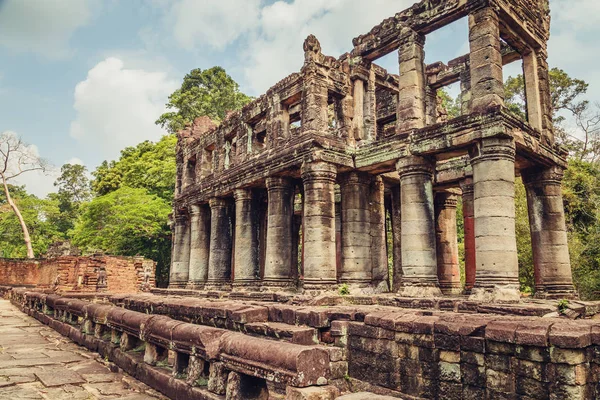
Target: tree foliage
x=40, y=217
x=73, y=190
x=127, y=221
x=210, y=92
x=148, y=165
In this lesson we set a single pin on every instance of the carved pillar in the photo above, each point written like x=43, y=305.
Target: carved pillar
x=200, y=245
x=469, y=229
x=397, y=238
x=245, y=257
x=180, y=262
x=447, y=242
x=419, y=263
x=319, y=225
x=544, y=94
x=219, y=262
x=370, y=109
x=356, y=232
x=378, y=245
x=358, y=122
x=552, y=266
x=532, y=90
x=497, y=278
x=487, y=85
x=411, y=97
x=278, y=263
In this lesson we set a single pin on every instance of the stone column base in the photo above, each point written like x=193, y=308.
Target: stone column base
x=320, y=285
x=177, y=285
x=556, y=292
x=496, y=294
x=419, y=291
x=246, y=285
x=195, y=285
x=452, y=290
x=277, y=284
x=217, y=285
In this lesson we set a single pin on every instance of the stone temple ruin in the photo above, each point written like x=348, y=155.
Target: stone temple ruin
x=293, y=190
x=300, y=192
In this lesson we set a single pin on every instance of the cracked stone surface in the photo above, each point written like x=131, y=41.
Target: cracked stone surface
x=38, y=363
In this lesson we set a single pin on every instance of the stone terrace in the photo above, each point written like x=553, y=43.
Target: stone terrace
x=202, y=348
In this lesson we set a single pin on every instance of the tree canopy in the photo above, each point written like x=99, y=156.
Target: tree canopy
x=211, y=92
x=128, y=221
x=148, y=165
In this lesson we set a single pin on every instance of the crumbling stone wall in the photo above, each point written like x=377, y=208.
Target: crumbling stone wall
x=81, y=274
x=197, y=348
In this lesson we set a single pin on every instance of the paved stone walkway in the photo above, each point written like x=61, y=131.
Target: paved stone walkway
x=38, y=363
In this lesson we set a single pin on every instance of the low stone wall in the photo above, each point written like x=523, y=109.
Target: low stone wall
x=319, y=352
x=81, y=274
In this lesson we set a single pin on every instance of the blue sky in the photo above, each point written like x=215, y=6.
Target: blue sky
x=81, y=79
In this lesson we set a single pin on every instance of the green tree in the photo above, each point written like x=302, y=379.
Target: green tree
x=73, y=190
x=148, y=165
x=129, y=222
x=39, y=216
x=210, y=92
x=16, y=159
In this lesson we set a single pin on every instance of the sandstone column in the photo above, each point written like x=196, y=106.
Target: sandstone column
x=278, y=262
x=447, y=242
x=411, y=97
x=419, y=262
x=319, y=225
x=199, y=246
x=378, y=239
x=497, y=278
x=487, y=85
x=397, y=238
x=180, y=263
x=245, y=257
x=356, y=229
x=469, y=227
x=532, y=89
x=552, y=266
x=219, y=261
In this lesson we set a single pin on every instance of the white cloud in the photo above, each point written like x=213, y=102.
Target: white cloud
x=75, y=161
x=116, y=107
x=215, y=23
x=41, y=26
x=275, y=49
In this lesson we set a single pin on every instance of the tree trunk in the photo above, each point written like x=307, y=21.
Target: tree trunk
x=26, y=236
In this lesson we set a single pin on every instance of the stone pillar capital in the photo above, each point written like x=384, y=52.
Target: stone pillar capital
x=319, y=171
x=493, y=149
x=242, y=195
x=409, y=36
x=415, y=165
x=355, y=178
x=181, y=217
x=278, y=183
x=543, y=176
x=217, y=202
x=466, y=185
x=446, y=200
x=194, y=210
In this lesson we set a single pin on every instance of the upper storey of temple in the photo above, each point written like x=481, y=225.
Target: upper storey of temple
x=353, y=113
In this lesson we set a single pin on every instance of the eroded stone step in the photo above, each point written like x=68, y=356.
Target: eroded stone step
x=277, y=330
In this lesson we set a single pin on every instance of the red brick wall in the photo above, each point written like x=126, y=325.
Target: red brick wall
x=81, y=274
